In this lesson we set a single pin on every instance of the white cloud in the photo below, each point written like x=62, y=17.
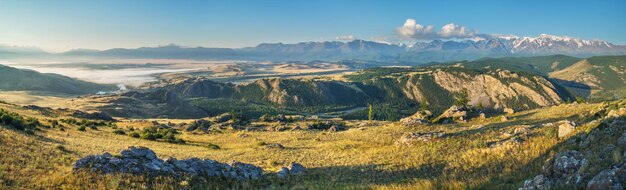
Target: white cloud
x=345, y=38
x=411, y=29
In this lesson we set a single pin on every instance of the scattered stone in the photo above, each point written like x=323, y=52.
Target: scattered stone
x=411, y=137
x=419, y=118
x=275, y=146
x=565, y=128
x=143, y=161
x=508, y=111
x=503, y=118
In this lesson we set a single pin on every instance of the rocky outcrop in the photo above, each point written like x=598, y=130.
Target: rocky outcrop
x=454, y=114
x=143, y=161
x=419, y=118
x=610, y=179
x=561, y=170
x=495, y=89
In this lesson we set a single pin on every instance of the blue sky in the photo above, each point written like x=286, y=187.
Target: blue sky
x=68, y=24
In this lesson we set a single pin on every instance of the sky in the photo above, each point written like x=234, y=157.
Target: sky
x=62, y=25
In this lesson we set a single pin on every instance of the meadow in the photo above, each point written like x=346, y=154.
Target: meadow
x=365, y=157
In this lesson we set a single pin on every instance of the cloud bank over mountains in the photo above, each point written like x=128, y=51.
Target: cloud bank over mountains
x=412, y=30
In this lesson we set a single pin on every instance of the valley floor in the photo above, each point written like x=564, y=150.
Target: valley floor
x=360, y=157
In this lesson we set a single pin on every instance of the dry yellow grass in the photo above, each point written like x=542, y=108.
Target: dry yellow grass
x=352, y=159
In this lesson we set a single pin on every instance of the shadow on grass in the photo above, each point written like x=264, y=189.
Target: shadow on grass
x=361, y=176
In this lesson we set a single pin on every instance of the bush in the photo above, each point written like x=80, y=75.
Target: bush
x=82, y=128
x=160, y=133
x=134, y=135
x=119, y=132
x=17, y=121
x=213, y=146
x=148, y=136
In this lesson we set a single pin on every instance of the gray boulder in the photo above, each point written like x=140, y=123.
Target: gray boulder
x=143, y=161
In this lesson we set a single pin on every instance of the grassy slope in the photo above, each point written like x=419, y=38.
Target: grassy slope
x=367, y=158
x=13, y=79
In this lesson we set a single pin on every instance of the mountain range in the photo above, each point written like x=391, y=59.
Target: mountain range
x=418, y=52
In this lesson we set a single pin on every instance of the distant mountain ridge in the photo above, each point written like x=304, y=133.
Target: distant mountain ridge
x=421, y=52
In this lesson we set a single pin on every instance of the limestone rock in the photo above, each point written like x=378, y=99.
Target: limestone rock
x=143, y=161
x=565, y=128
x=454, y=114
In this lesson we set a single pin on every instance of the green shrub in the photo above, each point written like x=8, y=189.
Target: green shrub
x=119, y=132
x=148, y=136
x=82, y=128
x=213, y=146
x=134, y=135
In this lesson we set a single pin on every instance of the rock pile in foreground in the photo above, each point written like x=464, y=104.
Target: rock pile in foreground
x=141, y=160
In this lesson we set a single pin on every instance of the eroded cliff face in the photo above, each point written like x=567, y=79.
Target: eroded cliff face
x=494, y=89
x=499, y=89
